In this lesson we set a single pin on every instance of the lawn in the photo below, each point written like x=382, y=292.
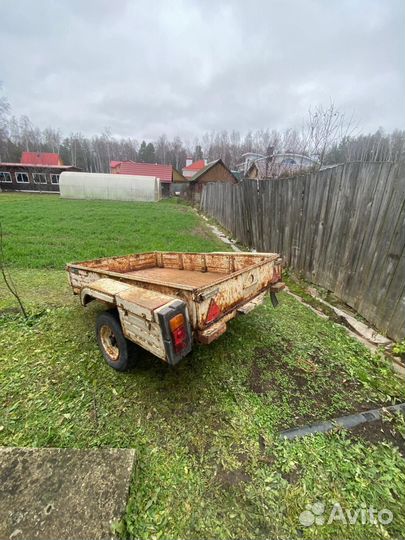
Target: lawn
x=210, y=463
x=45, y=231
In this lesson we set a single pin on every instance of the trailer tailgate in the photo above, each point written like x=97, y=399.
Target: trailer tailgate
x=223, y=299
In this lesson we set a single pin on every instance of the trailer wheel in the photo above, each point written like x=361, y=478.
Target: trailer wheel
x=111, y=340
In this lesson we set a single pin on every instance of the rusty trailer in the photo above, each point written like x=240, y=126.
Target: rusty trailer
x=163, y=301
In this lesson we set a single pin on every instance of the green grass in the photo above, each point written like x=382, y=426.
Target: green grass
x=210, y=463
x=45, y=231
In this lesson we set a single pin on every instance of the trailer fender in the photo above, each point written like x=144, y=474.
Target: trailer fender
x=103, y=289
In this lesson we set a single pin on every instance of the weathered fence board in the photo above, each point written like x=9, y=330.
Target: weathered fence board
x=343, y=228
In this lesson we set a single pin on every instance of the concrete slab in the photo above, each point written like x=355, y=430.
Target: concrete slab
x=357, y=326
x=62, y=494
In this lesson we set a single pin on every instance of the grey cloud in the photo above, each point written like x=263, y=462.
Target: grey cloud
x=184, y=67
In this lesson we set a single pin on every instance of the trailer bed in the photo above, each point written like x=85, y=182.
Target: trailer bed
x=177, y=278
x=213, y=287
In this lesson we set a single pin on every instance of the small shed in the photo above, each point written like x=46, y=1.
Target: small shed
x=114, y=187
x=215, y=171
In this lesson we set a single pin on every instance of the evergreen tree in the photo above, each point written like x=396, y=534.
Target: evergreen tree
x=149, y=156
x=142, y=152
x=198, y=153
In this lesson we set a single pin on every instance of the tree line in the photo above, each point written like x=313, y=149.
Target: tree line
x=325, y=134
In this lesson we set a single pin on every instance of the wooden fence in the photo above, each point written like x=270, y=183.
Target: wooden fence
x=343, y=228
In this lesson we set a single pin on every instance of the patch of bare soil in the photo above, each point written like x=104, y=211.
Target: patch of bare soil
x=309, y=395
x=379, y=431
x=293, y=476
x=232, y=478
x=255, y=382
x=260, y=384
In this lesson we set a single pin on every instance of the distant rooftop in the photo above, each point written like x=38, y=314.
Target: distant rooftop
x=37, y=166
x=163, y=172
x=196, y=166
x=41, y=158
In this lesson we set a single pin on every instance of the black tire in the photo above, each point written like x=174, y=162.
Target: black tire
x=111, y=341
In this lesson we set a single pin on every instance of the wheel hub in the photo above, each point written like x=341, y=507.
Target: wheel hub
x=109, y=342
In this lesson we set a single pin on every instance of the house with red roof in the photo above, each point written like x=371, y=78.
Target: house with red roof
x=41, y=158
x=192, y=168
x=167, y=174
x=215, y=171
x=37, y=171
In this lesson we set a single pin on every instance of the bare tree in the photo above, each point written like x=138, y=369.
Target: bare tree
x=7, y=277
x=161, y=149
x=52, y=140
x=326, y=133
x=324, y=127
x=4, y=111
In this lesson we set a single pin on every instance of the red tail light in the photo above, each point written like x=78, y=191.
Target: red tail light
x=213, y=312
x=179, y=333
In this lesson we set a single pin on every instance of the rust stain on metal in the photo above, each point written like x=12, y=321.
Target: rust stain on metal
x=147, y=299
x=277, y=287
x=152, y=279
x=177, y=278
x=109, y=343
x=212, y=333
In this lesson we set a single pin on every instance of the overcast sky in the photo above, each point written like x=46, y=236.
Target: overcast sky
x=187, y=66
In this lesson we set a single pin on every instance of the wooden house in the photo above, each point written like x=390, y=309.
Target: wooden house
x=37, y=171
x=216, y=171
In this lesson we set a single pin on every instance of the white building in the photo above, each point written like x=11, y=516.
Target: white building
x=115, y=187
